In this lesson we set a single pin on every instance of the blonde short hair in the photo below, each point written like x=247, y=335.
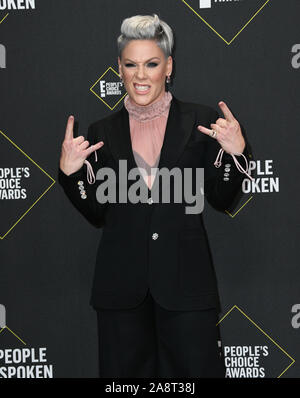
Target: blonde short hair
x=146, y=27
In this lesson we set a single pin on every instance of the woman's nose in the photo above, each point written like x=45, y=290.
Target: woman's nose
x=141, y=73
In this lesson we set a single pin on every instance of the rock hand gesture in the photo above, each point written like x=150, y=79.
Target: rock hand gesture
x=75, y=150
x=227, y=131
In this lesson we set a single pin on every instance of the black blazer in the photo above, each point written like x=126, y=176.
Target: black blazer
x=175, y=264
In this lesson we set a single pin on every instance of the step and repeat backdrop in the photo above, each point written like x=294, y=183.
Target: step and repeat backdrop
x=59, y=58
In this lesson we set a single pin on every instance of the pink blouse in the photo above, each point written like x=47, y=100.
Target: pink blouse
x=147, y=131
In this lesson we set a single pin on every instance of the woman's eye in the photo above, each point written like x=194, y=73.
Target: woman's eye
x=128, y=65
x=152, y=64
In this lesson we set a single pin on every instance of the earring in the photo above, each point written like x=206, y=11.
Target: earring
x=168, y=79
x=121, y=78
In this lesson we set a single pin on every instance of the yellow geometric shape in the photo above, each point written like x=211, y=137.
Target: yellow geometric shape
x=27, y=211
x=91, y=89
x=260, y=329
x=218, y=34
x=7, y=328
x=4, y=18
x=233, y=215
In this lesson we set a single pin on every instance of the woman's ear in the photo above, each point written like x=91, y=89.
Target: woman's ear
x=169, y=66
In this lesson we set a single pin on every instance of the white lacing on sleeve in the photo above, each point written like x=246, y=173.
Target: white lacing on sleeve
x=218, y=163
x=90, y=176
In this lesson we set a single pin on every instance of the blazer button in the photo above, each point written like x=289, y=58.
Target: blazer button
x=155, y=236
x=150, y=201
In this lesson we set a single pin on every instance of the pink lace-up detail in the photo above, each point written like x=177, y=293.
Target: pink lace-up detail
x=218, y=163
x=90, y=172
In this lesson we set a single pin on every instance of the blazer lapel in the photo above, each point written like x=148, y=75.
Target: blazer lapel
x=119, y=138
x=179, y=128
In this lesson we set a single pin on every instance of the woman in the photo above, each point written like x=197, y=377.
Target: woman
x=154, y=287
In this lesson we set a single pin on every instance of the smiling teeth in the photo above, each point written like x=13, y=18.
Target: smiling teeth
x=142, y=88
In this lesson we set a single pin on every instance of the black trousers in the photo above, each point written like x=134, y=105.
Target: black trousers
x=150, y=341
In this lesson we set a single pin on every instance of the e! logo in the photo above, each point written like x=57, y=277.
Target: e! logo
x=102, y=88
x=205, y=4
x=2, y=316
x=2, y=57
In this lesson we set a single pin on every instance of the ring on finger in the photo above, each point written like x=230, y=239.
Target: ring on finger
x=213, y=133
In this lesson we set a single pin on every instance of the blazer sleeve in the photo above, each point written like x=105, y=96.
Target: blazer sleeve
x=222, y=186
x=77, y=188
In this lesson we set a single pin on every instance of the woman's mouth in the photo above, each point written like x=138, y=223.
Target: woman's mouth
x=141, y=88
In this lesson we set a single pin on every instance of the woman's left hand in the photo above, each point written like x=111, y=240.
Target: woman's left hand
x=228, y=132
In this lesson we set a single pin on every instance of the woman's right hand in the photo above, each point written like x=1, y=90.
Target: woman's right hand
x=74, y=151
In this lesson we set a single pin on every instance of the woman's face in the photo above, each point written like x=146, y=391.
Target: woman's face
x=143, y=68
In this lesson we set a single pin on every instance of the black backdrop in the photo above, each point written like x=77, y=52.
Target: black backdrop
x=52, y=55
